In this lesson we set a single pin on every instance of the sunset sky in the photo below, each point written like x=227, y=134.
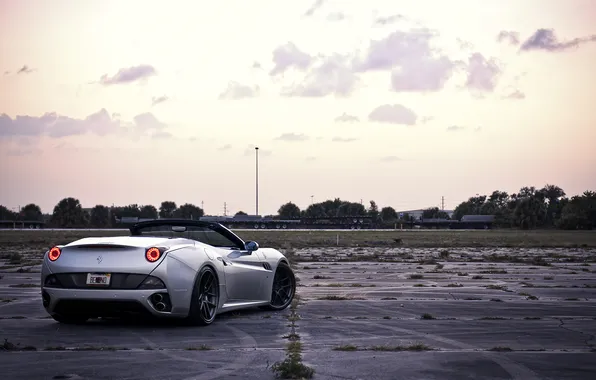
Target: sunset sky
x=401, y=102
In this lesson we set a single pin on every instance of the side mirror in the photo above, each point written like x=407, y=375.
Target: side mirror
x=251, y=246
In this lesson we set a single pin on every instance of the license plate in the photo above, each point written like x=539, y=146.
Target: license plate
x=101, y=279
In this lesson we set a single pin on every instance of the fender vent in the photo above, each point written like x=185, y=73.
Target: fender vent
x=267, y=266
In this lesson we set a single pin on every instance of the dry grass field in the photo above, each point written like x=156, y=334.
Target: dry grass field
x=44, y=239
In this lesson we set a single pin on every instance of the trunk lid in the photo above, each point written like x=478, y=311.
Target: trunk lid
x=124, y=254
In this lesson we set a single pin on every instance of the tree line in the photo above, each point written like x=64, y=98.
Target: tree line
x=69, y=213
x=548, y=207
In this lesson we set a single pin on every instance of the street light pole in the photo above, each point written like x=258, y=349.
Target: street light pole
x=257, y=179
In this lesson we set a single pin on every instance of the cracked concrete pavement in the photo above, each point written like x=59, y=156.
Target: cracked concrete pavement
x=478, y=320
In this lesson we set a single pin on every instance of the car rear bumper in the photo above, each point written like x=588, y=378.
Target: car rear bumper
x=109, y=302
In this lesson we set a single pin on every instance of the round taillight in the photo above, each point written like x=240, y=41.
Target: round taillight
x=54, y=254
x=153, y=254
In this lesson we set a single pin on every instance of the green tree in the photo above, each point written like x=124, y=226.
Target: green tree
x=434, y=213
x=240, y=213
x=188, y=211
x=6, y=214
x=148, y=212
x=99, y=217
x=31, y=212
x=167, y=209
x=388, y=214
x=130, y=211
x=289, y=210
x=579, y=212
x=69, y=213
x=373, y=210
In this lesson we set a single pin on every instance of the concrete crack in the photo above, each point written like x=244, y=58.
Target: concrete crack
x=586, y=341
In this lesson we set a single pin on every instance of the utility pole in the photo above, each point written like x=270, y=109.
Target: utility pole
x=202, y=206
x=442, y=203
x=257, y=180
x=312, y=197
x=225, y=209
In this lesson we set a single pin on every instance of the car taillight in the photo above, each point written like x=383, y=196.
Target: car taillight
x=153, y=254
x=54, y=254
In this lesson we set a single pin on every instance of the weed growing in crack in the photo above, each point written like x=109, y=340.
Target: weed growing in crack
x=346, y=347
x=292, y=367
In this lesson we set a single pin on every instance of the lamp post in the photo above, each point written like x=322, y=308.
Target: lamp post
x=257, y=179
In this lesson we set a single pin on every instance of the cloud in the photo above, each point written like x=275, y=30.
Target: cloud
x=455, y=128
x=289, y=56
x=464, y=45
x=545, y=39
x=129, y=75
x=225, y=147
x=510, y=37
x=516, y=94
x=483, y=74
x=336, y=16
x=250, y=151
x=314, y=7
x=99, y=123
x=415, y=64
x=393, y=114
x=157, y=100
x=345, y=118
x=25, y=70
x=389, y=19
x=310, y=158
x=390, y=159
x=161, y=135
x=236, y=91
x=292, y=137
x=333, y=76
x=344, y=139
x=148, y=122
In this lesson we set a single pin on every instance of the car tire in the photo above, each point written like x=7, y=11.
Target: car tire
x=283, y=271
x=70, y=319
x=205, y=293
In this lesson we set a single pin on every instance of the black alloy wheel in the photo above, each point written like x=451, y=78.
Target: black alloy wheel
x=205, y=298
x=283, y=289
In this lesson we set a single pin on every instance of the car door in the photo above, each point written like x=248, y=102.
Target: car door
x=245, y=275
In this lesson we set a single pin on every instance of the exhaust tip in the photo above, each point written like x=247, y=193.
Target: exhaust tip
x=157, y=297
x=160, y=306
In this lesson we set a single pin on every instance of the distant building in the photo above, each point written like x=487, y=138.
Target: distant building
x=417, y=214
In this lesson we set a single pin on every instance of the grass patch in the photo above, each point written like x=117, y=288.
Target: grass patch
x=427, y=316
x=319, y=277
x=24, y=286
x=497, y=287
x=40, y=240
x=202, y=347
x=331, y=297
x=415, y=276
x=500, y=349
x=412, y=347
x=494, y=271
x=346, y=347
